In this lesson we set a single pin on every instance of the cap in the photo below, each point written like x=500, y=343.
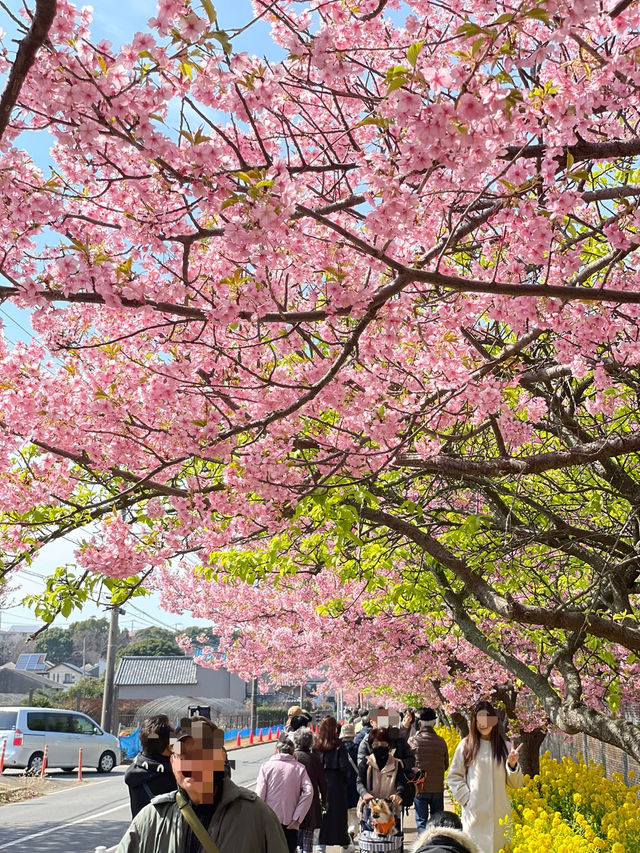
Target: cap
x=200, y=729
x=295, y=711
x=426, y=715
x=348, y=730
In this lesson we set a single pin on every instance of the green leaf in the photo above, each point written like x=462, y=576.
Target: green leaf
x=228, y=202
x=538, y=14
x=209, y=8
x=504, y=19
x=223, y=38
x=469, y=29
x=413, y=52
x=396, y=77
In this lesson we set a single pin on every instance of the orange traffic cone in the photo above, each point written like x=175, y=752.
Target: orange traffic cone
x=270, y=735
x=260, y=738
x=238, y=740
x=251, y=736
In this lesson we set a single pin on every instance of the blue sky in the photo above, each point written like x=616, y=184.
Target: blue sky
x=116, y=21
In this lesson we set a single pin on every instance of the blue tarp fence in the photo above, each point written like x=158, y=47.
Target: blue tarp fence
x=232, y=734
x=130, y=744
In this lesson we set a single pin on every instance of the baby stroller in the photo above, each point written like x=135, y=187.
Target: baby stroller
x=370, y=841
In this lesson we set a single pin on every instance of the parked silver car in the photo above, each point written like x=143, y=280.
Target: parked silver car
x=27, y=730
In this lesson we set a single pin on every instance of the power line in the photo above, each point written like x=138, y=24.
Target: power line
x=19, y=325
x=154, y=619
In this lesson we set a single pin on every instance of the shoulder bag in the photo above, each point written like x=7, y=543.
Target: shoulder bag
x=186, y=809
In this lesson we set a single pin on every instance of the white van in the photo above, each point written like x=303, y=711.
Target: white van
x=27, y=730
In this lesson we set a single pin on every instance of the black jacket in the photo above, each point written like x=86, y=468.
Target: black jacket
x=148, y=776
x=401, y=750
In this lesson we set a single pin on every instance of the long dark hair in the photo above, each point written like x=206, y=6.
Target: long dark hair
x=327, y=735
x=472, y=741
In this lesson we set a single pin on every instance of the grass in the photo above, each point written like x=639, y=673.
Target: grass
x=20, y=788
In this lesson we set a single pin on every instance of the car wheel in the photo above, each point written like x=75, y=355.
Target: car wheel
x=107, y=762
x=34, y=765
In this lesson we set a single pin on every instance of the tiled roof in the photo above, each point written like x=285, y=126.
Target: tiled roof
x=134, y=671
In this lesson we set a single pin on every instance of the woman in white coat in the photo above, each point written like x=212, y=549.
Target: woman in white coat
x=482, y=767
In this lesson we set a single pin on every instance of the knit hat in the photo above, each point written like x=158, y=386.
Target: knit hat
x=426, y=715
x=348, y=730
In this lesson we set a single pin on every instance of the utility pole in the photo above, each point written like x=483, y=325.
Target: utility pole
x=107, y=718
x=301, y=695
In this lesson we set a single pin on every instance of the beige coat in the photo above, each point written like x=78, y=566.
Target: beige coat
x=481, y=790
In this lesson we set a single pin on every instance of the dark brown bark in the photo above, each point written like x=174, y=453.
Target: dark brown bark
x=580, y=151
x=29, y=47
x=504, y=465
x=530, y=752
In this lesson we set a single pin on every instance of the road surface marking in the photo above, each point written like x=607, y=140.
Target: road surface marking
x=63, y=826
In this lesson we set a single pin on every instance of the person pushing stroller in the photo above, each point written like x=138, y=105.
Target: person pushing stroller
x=381, y=781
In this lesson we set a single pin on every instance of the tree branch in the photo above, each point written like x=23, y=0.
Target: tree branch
x=503, y=606
x=29, y=47
x=581, y=454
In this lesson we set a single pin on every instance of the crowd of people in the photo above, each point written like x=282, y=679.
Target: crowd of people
x=320, y=788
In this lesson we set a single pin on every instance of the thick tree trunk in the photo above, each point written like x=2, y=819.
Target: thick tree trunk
x=460, y=722
x=530, y=752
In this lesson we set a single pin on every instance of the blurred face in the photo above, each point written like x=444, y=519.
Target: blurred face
x=194, y=761
x=485, y=721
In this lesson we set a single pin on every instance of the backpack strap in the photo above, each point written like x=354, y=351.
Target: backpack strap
x=186, y=809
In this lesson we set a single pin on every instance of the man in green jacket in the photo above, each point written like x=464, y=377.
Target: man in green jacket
x=234, y=817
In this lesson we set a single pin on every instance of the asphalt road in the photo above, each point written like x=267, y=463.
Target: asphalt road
x=97, y=812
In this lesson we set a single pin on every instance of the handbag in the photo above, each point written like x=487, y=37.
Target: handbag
x=419, y=781
x=186, y=809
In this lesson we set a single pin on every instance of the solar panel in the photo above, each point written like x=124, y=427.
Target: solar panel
x=31, y=663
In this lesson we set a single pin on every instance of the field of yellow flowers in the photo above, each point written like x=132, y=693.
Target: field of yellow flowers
x=570, y=807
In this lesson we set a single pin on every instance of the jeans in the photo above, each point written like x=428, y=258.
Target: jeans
x=426, y=805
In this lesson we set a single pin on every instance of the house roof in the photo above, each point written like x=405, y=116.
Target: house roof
x=32, y=663
x=40, y=680
x=174, y=669
x=22, y=629
x=69, y=666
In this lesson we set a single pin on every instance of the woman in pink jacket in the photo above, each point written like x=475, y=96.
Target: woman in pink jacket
x=284, y=785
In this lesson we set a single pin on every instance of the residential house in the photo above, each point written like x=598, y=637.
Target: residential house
x=16, y=686
x=66, y=674
x=146, y=678
x=18, y=633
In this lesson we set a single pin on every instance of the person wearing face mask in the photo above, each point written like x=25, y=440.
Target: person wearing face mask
x=482, y=767
x=380, y=774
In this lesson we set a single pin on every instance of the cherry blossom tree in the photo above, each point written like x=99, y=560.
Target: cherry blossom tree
x=359, y=317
